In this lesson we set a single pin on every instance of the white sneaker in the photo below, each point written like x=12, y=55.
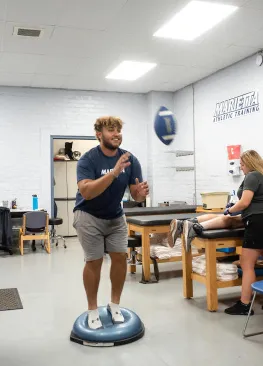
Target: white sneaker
x=94, y=321
x=114, y=309
x=176, y=229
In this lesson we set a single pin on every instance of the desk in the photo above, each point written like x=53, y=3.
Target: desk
x=147, y=225
x=18, y=213
x=210, y=241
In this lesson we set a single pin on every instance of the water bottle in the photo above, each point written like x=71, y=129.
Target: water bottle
x=148, y=201
x=35, y=202
x=232, y=200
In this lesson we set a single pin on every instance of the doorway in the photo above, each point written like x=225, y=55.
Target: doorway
x=65, y=153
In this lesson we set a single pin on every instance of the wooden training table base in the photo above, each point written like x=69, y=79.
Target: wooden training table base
x=153, y=224
x=210, y=280
x=145, y=231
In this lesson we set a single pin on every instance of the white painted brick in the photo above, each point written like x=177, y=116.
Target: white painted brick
x=28, y=118
x=211, y=139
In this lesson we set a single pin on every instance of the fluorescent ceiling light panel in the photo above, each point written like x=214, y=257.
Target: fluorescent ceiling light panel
x=194, y=19
x=130, y=70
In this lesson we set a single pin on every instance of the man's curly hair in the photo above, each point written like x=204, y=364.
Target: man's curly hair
x=107, y=122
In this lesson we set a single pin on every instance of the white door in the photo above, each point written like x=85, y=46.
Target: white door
x=72, y=179
x=91, y=144
x=63, y=214
x=60, y=175
x=71, y=230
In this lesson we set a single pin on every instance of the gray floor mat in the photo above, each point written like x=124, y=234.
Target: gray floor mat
x=10, y=299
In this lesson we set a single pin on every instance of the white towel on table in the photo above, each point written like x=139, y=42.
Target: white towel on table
x=159, y=247
x=225, y=271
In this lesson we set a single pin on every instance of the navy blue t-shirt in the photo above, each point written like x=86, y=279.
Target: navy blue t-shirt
x=93, y=165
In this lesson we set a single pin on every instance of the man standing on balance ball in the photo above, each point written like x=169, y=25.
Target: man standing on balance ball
x=103, y=174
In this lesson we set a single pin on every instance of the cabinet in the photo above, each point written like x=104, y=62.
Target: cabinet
x=65, y=190
x=60, y=175
x=72, y=186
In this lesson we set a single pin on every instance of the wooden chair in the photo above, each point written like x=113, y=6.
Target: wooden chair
x=35, y=227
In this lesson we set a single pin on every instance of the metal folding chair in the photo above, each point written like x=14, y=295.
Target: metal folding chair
x=258, y=289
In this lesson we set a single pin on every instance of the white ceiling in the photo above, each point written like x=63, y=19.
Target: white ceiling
x=85, y=39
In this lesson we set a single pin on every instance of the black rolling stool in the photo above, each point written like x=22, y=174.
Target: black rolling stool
x=53, y=236
x=134, y=242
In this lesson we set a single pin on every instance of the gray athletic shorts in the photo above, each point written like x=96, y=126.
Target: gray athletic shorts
x=97, y=235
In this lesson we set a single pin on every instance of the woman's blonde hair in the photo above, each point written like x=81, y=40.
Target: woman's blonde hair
x=252, y=160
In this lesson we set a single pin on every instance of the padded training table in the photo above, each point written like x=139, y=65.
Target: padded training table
x=150, y=224
x=142, y=211
x=210, y=241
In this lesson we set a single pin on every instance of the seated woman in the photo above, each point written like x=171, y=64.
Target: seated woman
x=250, y=194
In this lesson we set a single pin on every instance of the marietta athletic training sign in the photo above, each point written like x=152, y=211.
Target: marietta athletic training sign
x=235, y=107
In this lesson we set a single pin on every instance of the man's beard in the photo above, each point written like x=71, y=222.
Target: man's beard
x=108, y=145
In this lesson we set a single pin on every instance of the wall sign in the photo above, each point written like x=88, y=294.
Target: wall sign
x=235, y=107
x=234, y=152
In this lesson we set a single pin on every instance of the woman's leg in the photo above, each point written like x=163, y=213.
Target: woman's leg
x=223, y=222
x=176, y=226
x=207, y=217
x=248, y=260
x=191, y=230
x=206, y=222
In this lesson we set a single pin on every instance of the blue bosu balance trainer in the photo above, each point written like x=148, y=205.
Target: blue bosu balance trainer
x=111, y=334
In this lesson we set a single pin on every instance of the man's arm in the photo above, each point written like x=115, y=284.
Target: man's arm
x=138, y=190
x=91, y=188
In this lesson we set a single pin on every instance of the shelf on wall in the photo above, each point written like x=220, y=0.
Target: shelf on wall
x=185, y=168
x=183, y=153
x=180, y=168
x=180, y=152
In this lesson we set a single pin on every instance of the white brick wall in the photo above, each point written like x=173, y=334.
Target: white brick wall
x=28, y=118
x=160, y=176
x=211, y=139
x=166, y=183
x=150, y=113
x=183, y=109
